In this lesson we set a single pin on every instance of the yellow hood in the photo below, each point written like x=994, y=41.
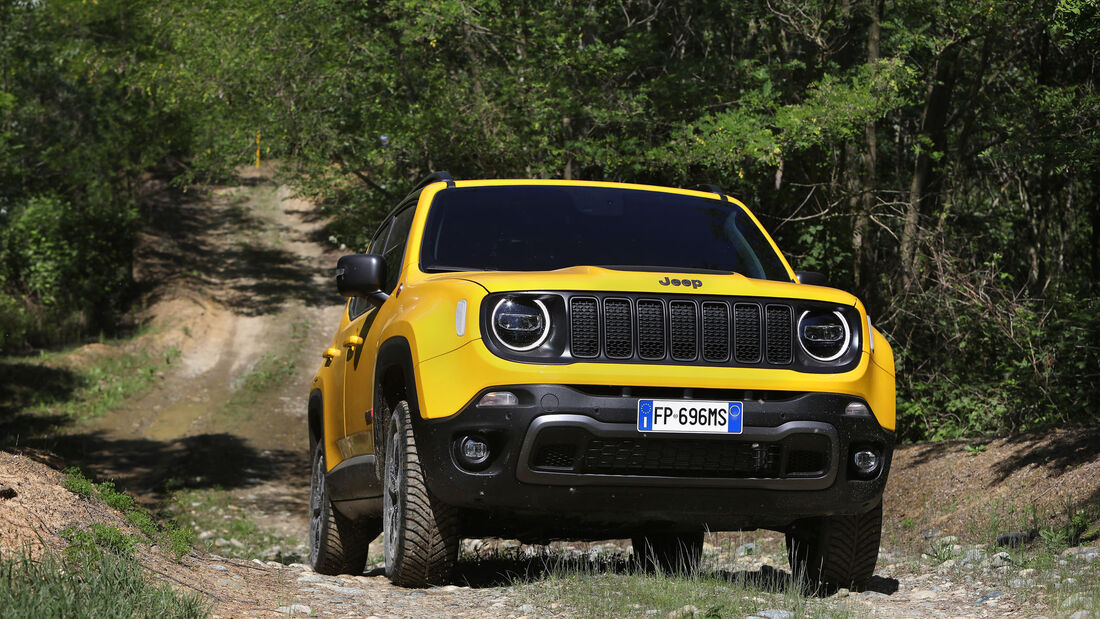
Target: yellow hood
x=597, y=279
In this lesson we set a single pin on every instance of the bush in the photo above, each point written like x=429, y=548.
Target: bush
x=18, y=323
x=984, y=358
x=76, y=257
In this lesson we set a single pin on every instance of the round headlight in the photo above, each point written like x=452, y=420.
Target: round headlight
x=824, y=335
x=521, y=324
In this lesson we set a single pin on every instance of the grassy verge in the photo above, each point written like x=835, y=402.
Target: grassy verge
x=177, y=540
x=97, y=575
x=88, y=584
x=226, y=529
x=58, y=388
x=110, y=382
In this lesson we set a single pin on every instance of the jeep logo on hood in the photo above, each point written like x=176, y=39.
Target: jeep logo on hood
x=686, y=283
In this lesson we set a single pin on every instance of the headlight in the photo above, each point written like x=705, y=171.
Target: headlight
x=823, y=335
x=521, y=324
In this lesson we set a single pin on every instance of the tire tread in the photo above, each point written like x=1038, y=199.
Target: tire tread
x=428, y=549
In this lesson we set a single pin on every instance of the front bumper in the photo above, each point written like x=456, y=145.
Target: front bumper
x=568, y=462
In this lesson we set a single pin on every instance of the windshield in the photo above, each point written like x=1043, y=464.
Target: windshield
x=541, y=228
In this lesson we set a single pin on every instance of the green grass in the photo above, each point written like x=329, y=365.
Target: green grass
x=178, y=540
x=84, y=543
x=1039, y=571
x=605, y=586
x=99, y=385
x=215, y=512
x=89, y=586
x=268, y=375
x=593, y=593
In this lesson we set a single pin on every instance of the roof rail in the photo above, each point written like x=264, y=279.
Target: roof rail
x=713, y=189
x=436, y=177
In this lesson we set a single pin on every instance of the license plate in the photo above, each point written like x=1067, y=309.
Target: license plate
x=689, y=416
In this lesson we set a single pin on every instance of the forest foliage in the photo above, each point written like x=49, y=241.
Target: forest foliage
x=940, y=159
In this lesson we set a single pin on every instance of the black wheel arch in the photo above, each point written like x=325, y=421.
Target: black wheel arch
x=315, y=413
x=394, y=380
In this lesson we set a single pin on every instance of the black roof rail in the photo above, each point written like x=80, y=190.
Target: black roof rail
x=713, y=189
x=436, y=177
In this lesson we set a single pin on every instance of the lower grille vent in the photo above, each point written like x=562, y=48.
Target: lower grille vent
x=577, y=451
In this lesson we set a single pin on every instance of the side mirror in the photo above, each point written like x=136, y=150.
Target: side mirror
x=362, y=275
x=812, y=279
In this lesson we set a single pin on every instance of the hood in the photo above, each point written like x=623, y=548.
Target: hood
x=598, y=279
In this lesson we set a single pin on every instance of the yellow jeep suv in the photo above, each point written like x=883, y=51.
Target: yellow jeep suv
x=544, y=360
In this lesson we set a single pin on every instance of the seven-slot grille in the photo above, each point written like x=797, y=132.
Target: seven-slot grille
x=677, y=330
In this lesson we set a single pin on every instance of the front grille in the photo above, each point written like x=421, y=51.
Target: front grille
x=618, y=328
x=746, y=332
x=780, y=329
x=716, y=331
x=651, y=329
x=683, y=333
x=577, y=451
x=584, y=326
x=679, y=330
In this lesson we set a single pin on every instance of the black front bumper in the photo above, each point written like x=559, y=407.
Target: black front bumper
x=569, y=462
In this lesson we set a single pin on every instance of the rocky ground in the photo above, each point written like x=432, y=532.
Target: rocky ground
x=240, y=305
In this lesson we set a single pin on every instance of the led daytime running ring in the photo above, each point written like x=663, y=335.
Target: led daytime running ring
x=545, y=330
x=843, y=349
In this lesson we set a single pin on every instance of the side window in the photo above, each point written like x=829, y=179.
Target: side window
x=395, y=245
x=379, y=237
x=358, y=306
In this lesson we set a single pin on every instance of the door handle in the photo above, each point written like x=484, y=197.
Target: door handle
x=330, y=353
x=353, y=341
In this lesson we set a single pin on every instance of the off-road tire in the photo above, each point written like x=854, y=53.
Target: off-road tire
x=420, y=532
x=835, y=551
x=337, y=544
x=671, y=553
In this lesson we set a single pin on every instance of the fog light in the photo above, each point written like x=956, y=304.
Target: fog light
x=856, y=408
x=866, y=461
x=472, y=452
x=498, y=398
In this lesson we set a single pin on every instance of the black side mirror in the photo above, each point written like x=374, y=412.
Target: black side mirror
x=361, y=275
x=811, y=278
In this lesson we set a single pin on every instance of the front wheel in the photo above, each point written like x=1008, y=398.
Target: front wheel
x=420, y=532
x=337, y=544
x=836, y=551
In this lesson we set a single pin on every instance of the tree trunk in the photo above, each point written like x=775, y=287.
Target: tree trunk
x=1095, y=228
x=933, y=137
x=861, y=228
